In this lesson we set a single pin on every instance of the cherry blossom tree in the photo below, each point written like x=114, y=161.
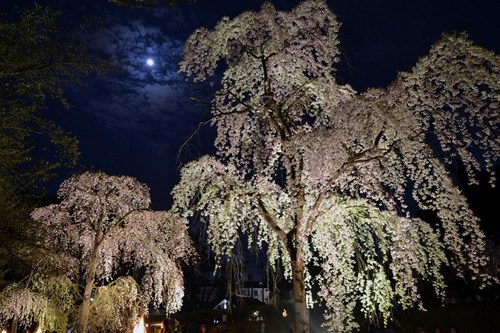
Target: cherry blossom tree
x=105, y=221
x=42, y=298
x=329, y=178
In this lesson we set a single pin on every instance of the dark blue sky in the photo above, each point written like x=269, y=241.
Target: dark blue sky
x=133, y=122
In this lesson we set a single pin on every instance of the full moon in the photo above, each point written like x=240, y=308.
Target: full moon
x=150, y=62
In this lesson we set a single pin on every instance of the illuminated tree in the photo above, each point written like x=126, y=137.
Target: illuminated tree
x=115, y=306
x=105, y=222
x=329, y=178
x=46, y=300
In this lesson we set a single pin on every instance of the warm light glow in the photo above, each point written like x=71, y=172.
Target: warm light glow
x=150, y=62
x=140, y=328
x=4, y=331
x=284, y=314
x=39, y=330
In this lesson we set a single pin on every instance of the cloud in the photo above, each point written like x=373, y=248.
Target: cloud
x=142, y=99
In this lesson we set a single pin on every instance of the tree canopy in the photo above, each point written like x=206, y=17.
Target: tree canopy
x=330, y=178
x=103, y=228
x=38, y=57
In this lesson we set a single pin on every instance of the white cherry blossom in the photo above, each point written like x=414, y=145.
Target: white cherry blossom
x=106, y=222
x=328, y=177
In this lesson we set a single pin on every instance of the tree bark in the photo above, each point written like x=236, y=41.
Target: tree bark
x=14, y=325
x=299, y=294
x=89, y=283
x=84, y=315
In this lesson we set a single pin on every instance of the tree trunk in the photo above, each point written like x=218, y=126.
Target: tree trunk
x=14, y=325
x=84, y=315
x=299, y=295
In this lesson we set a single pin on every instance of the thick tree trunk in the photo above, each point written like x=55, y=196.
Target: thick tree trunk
x=84, y=315
x=299, y=294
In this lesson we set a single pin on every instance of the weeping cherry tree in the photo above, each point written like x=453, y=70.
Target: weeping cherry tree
x=105, y=221
x=329, y=179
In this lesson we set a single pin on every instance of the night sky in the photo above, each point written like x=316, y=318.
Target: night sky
x=134, y=121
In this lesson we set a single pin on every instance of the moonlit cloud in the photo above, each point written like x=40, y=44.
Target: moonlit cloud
x=149, y=97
